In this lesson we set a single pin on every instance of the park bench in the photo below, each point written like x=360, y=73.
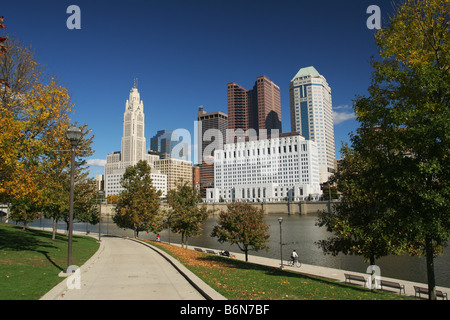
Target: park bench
x=198, y=249
x=395, y=285
x=354, y=277
x=439, y=293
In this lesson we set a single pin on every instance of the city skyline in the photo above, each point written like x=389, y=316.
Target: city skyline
x=185, y=53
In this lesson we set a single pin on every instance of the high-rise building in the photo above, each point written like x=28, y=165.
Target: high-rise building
x=164, y=142
x=312, y=115
x=133, y=139
x=196, y=177
x=206, y=121
x=176, y=170
x=259, y=108
x=100, y=181
x=211, y=136
x=133, y=149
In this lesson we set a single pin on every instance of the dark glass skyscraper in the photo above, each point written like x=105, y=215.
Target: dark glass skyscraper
x=163, y=144
x=206, y=121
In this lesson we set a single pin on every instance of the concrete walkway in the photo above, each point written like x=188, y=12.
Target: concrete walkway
x=124, y=269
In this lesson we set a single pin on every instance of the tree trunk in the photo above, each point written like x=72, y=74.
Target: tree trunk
x=54, y=229
x=430, y=268
x=372, y=260
x=182, y=239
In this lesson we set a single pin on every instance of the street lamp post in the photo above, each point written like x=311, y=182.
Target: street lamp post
x=100, y=194
x=74, y=135
x=280, y=220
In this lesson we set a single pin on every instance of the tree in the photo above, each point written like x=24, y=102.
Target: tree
x=185, y=215
x=405, y=123
x=31, y=112
x=24, y=210
x=86, y=204
x=328, y=191
x=137, y=206
x=244, y=225
x=111, y=198
x=360, y=221
x=54, y=181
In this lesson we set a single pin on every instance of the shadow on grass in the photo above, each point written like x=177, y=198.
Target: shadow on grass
x=277, y=272
x=13, y=238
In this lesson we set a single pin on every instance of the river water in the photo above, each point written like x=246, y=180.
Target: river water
x=299, y=233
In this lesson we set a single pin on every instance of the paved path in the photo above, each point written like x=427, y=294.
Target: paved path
x=124, y=269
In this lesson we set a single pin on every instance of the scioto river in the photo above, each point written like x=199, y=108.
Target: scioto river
x=299, y=233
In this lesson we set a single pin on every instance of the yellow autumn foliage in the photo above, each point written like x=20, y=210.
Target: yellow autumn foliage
x=34, y=117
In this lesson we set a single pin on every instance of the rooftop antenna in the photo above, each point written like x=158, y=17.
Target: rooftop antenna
x=135, y=83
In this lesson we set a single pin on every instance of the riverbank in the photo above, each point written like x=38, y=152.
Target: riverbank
x=321, y=272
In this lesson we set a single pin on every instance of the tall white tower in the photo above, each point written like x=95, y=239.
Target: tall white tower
x=312, y=115
x=133, y=139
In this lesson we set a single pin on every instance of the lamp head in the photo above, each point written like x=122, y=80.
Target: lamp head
x=74, y=135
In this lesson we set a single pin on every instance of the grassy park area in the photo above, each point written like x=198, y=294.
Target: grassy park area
x=30, y=261
x=239, y=280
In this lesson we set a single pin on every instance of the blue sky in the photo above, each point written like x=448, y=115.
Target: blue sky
x=185, y=52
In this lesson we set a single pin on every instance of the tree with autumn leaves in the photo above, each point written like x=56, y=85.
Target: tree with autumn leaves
x=34, y=117
x=399, y=161
x=242, y=224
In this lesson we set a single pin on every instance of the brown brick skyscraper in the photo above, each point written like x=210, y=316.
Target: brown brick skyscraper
x=259, y=108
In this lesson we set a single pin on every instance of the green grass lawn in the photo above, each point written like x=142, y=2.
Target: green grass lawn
x=239, y=280
x=30, y=261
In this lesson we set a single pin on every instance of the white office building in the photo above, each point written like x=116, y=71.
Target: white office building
x=312, y=116
x=132, y=149
x=114, y=187
x=267, y=170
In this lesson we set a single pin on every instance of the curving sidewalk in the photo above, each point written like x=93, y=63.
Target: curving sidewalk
x=126, y=269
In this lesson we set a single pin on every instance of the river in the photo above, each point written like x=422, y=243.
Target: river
x=299, y=233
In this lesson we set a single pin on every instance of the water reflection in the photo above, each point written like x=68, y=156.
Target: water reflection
x=299, y=233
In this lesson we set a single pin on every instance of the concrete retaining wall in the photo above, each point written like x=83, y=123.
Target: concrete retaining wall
x=303, y=207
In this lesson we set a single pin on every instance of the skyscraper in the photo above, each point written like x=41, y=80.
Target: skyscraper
x=312, y=115
x=164, y=142
x=133, y=139
x=206, y=121
x=259, y=108
x=133, y=148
